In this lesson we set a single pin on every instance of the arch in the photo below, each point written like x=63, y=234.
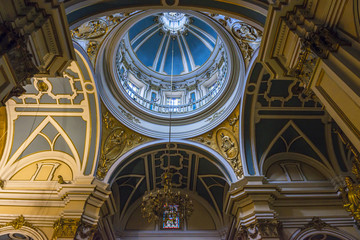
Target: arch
x=214, y=156
x=218, y=221
x=250, y=12
x=302, y=234
x=35, y=234
x=49, y=155
x=289, y=124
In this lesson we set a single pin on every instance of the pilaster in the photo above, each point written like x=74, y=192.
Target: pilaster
x=249, y=200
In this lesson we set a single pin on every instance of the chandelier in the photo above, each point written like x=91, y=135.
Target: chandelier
x=166, y=205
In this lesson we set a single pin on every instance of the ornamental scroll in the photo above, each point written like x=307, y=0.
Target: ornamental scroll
x=225, y=140
x=117, y=140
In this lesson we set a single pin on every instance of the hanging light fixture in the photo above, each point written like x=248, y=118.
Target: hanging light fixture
x=164, y=205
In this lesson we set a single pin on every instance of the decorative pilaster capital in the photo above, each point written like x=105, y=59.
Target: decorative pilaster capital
x=261, y=229
x=85, y=231
x=65, y=228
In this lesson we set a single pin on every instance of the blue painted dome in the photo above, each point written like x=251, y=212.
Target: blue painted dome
x=163, y=38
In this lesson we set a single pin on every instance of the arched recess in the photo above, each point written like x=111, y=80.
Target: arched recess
x=24, y=230
x=56, y=117
x=326, y=233
x=297, y=162
x=214, y=156
x=57, y=163
x=198, y=171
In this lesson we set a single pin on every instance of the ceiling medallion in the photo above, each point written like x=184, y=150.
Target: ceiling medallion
x=165, y=205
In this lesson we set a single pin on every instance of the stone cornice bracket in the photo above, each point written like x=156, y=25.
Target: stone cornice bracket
x=94, y=202
x=250, y=199
x=34, y=33
x=322, y=41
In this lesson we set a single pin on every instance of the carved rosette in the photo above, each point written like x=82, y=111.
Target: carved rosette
x=117, y=140
x=225, y=140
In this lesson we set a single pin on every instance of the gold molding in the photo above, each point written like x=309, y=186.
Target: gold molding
x=225, y=140
x=3, y=129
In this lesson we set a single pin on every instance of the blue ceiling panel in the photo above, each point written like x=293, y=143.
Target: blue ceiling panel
x=147, y=52
x=198, y=50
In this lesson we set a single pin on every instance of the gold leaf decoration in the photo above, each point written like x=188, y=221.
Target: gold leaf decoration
x=65, y=228
x=19, y=222
x=117, y=140
x=225, y=140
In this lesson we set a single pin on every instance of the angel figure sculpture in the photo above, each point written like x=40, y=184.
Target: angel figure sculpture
x=351, y=196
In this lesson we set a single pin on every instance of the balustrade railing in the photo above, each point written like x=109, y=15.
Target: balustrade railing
x=163, y=108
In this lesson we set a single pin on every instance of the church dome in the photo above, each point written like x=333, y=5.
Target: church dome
x=156, y=38
x=170, y=62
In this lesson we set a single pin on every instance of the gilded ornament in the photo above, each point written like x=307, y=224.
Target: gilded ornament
x=42, y=86
x=19, y=222
x=61, y=180
x=232, y=122
x=247, y=37
x=92, y=48
x=317, y=224
x=245, y=32
x=225, y=140
x=2, y=183
x=351, y=198
x=90, y=30
x=117, y=140
x=65, y=228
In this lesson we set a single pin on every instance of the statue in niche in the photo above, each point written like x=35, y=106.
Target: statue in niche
x=226, y=144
